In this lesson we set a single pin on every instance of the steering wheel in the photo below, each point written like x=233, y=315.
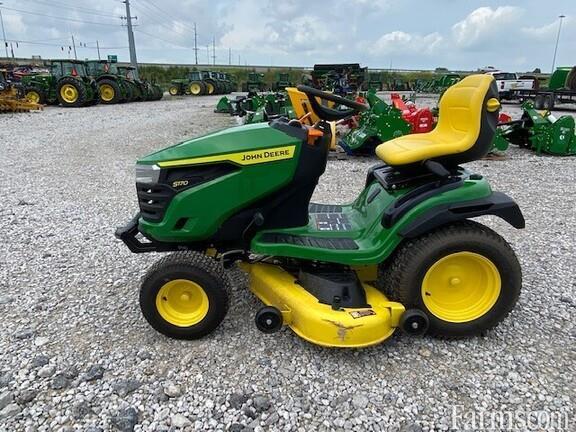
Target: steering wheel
x=330, y=114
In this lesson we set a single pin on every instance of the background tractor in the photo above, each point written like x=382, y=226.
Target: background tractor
x=67, y=83
x=193, y=84
x=143, y=90
x=254, y=83
x=282, y=81
x=114, y=88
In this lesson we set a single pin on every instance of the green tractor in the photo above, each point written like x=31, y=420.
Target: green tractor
x=68, y=83
x=382, y=122
x=232, y=80
x=282, y=81
x=114, y=88
x=141, y=89
x=254, y=83
x=404, y=255
x=193, y=84
x=213, y=84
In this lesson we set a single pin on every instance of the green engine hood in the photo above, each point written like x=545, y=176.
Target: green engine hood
x=237, y=139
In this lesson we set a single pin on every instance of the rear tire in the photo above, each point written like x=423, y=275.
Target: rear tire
x=548, y=102
x=433, y=273
x=185, y=295
x=196, y=88
x=539, y=102
x=110, y=92
x=71, y=92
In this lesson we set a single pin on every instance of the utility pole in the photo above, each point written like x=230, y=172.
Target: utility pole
x=74, y=46
x=229, y=56
x=3, y=32
x=214, y=50
x=131, y=44
x=557, y=40
x=98, y=48
x=195, y=44
x=208, y=54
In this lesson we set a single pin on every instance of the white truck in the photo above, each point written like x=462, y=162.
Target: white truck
x=508, y=83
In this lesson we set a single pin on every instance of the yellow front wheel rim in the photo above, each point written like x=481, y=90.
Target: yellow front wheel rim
x=195, y=89
x=173, y=91
x=33, y=96
x=107, y=92
x=210, y=88
x=69, y=93
x=182, y=303
x=461, y=287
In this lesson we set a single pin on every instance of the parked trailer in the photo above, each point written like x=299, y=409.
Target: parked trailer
x=561, y=89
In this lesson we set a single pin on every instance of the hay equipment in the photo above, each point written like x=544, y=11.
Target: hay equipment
x=541, y=132
x=12, y=96
x=381, y=123
x=421, y=119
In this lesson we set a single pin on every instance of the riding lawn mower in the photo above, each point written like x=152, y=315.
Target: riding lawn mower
x=404, y=254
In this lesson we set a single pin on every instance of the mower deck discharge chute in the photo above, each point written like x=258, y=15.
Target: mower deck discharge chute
x=402, y=255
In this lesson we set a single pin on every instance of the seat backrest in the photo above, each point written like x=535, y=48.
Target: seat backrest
x=469, y=116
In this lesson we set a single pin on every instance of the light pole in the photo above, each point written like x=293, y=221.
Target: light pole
x=557, y=40
x=3, y=32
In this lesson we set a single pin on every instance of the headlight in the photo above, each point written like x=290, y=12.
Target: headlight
x=147, y=173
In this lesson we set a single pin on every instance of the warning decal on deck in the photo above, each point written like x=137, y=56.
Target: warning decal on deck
x=362, y=313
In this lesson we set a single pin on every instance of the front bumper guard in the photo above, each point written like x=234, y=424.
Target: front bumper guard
x=129, y=232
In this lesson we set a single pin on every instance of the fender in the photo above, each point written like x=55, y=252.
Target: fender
x=497, y=204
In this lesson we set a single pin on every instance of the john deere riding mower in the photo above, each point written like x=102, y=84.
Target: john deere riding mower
x=378, y=124
x=404, y=254
x=541, y=132
x=114, y=87
x=68, y=83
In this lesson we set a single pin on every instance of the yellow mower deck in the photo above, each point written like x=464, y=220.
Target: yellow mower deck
x=320, y=323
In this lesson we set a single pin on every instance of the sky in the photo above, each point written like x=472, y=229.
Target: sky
x=455, y=34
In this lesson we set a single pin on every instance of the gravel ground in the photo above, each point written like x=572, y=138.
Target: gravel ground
x=76, y=354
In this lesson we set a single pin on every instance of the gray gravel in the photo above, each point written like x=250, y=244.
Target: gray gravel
x=76, y=354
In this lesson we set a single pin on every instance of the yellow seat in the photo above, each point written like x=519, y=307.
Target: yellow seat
x=465, y=129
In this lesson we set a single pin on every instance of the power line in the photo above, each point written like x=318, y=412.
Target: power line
x=168, y=15
x=74, y=8
x=57, y=45
x=160, y=39
x=59, y=18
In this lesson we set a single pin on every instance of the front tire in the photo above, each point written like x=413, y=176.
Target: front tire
x=465, y=277
x=185, y=295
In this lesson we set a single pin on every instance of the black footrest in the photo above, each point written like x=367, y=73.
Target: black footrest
x=324, y=208
x=339, y=243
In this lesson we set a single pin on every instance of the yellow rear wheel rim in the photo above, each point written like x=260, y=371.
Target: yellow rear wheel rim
x=182, y=303
x=33, y=96
x=173, y=91
x=69, y=93
x=195, y=89
x=107, y=92
x=461, y=287
x=210, y=88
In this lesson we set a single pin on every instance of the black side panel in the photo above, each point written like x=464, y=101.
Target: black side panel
x=339, y=243
x=497, y=204
x=287, y=207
